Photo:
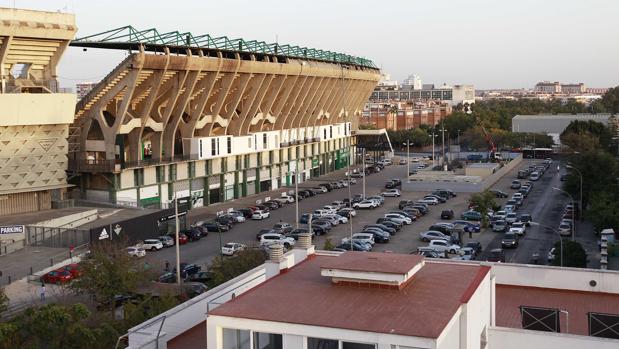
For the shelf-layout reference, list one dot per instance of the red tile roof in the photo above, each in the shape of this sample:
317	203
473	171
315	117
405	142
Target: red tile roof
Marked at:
193	338
578	303
302	296
378	262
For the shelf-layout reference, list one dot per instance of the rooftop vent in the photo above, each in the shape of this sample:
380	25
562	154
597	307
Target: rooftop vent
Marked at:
372	269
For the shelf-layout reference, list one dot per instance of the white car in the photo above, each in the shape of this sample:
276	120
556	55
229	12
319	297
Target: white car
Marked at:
516	231
511	218
519	227
377	198
421	166
444	246
231	248
551	255
565	229
152	244
365	204
338	204
399	218
351	211
274	238
338	218
391	193
330	208
287	198
364	238
321	212
415	159
135	251
500	215
430	201
237	216
510	208
321	189
260	215
166	241
433	235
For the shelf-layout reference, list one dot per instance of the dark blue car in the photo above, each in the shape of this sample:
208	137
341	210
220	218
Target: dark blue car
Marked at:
469	226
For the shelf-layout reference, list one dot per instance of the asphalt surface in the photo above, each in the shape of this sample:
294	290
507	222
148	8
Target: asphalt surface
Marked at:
543	203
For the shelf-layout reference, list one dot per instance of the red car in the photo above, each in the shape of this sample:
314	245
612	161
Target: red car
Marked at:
72	268
182	238
57	277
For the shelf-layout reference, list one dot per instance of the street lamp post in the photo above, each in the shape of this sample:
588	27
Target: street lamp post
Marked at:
363	169
296	196
176	235
433	153
408	160
560	240
580	197
573	208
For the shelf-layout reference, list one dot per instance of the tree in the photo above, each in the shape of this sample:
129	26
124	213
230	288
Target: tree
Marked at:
4	301
328	246
604	210
600	171
610	100
483	202
583	136
110	271
574	256
225	269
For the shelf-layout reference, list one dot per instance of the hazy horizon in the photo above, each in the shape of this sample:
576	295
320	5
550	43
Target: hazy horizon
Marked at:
489	44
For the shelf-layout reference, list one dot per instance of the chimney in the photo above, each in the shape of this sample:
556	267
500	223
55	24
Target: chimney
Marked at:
276	261
303	248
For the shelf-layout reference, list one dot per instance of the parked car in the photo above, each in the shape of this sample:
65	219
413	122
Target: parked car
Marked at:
356	246
468	226
321	227
231	248
212	226
282	228
135	251
444	246
347	212
447	214
272	238
264	231
389	223
565	229
465	254
260	215
396	217
511	217
499	193
365	204
391	231
297	232
428	200
519	228
57	277
432	254
152	244
445	228
404	203
391	193
471	216
496	255
433	235
193	234
166	241
182	238
551	255
515	184
187	269
510	240
475	245
379	235
366	238
500	226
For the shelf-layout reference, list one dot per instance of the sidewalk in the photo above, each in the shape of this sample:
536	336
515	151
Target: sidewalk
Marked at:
28	260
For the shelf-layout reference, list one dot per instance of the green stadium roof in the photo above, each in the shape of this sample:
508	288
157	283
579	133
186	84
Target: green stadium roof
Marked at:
129	38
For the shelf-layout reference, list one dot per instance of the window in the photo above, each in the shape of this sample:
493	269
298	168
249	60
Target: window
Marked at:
269	341
249	142
213	146
324	132
264	141
172	173
321	343
235	339
200	150
229	145
353	345
330	131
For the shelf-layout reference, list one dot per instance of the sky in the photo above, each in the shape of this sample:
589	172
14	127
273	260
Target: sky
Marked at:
488	43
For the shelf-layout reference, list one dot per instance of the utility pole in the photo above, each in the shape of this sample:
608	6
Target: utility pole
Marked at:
363	169
443	145
178	252
433	156
408	161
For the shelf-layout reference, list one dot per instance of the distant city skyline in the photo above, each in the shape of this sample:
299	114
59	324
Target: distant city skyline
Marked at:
486	43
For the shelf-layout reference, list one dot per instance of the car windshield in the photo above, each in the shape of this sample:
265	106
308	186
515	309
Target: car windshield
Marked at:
509	236
228	245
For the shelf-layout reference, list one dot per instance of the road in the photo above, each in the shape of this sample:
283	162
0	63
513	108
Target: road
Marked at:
544	203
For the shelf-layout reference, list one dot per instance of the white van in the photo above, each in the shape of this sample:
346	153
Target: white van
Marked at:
321	212
534	176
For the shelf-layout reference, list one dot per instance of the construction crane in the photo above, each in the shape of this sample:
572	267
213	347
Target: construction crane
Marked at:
493	155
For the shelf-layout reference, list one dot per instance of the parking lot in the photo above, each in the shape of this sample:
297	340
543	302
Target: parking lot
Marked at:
543	203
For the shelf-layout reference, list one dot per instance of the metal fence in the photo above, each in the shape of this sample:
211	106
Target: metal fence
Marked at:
56	237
